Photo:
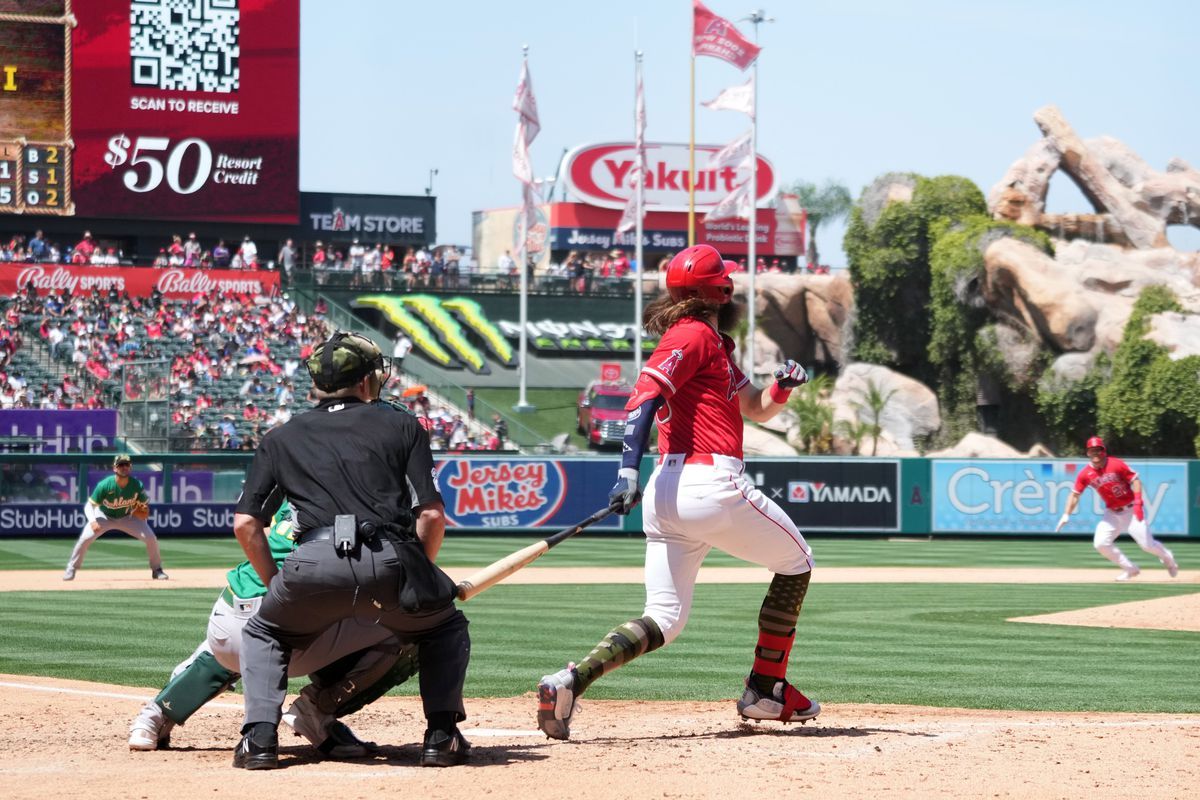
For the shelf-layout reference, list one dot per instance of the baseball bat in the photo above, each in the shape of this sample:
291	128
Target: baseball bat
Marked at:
494	573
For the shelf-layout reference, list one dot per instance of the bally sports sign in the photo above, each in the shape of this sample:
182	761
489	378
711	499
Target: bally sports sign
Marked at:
600	175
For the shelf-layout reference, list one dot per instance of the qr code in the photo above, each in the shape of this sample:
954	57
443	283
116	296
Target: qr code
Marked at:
191	45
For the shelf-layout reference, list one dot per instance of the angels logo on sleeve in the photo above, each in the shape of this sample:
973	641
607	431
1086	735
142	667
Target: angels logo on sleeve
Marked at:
669	364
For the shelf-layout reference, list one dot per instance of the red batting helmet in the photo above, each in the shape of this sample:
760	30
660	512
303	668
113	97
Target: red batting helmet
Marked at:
1095	441
699	271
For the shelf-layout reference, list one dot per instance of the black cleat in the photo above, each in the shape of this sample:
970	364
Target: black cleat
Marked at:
444	749
257	752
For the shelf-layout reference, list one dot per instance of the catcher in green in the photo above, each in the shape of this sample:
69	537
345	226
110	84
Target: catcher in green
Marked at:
118	503
351	665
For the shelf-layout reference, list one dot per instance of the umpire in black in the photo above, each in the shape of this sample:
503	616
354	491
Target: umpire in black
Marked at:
369	521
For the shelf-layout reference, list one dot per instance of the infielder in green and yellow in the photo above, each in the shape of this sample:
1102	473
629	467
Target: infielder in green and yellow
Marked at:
111	507
351	664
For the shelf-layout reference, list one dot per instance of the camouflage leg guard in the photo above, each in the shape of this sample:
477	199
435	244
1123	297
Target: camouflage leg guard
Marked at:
777	628
622	645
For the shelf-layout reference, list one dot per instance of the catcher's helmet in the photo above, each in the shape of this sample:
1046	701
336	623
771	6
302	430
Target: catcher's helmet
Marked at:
1095	441
699	271
344	360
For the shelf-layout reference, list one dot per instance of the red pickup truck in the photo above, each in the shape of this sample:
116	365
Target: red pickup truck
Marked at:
601	415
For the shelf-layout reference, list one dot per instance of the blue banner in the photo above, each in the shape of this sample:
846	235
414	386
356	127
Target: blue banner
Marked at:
524	492
196	519
606	239
1028	496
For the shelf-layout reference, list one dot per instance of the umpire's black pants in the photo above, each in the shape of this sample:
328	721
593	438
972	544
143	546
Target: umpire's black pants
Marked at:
316	587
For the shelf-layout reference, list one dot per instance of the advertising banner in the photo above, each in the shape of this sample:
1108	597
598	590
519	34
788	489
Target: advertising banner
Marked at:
61	431
598	174
198	519
1028	496
577	226
524	492
186	110
386	219
173	282
847	496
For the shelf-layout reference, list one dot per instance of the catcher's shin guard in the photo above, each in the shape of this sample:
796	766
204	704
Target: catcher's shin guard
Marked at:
184	694
364	677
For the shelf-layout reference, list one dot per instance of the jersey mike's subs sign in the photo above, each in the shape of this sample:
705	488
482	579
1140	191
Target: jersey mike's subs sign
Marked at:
601	175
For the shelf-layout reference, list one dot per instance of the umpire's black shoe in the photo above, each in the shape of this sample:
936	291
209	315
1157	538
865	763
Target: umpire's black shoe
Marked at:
444	749
258	749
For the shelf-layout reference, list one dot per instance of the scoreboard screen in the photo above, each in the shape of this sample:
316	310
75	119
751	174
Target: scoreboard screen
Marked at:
150	109
35	152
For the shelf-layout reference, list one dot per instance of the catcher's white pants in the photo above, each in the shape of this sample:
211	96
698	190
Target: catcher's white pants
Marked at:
1113	524
224	639
687	510
129	524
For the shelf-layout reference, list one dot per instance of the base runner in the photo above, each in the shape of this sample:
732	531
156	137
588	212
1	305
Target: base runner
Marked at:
1121	489
351	665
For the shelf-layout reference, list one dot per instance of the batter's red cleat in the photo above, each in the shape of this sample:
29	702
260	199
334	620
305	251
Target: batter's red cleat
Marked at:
784	703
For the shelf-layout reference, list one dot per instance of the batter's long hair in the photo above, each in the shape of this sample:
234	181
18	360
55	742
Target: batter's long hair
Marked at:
663	312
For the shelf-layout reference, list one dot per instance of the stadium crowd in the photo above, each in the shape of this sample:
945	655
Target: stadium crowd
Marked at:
228	366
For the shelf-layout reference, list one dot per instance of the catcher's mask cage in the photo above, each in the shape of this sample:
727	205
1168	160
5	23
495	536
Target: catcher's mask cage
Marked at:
344	360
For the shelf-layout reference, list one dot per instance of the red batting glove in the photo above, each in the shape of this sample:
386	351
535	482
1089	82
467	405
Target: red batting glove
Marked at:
1138	512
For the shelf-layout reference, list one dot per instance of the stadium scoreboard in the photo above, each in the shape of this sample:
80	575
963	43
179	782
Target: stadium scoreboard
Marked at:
150	109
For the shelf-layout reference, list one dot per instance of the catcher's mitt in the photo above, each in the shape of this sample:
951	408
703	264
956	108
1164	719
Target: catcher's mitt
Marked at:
141	510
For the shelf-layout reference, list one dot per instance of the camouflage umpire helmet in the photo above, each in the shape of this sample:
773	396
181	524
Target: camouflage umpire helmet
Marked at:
345	359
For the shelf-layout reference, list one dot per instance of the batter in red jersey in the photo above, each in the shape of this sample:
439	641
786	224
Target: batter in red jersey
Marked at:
1121	490
698	496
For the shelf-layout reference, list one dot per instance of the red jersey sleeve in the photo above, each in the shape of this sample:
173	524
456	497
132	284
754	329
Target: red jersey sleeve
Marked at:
1122	469
1081	480
676	358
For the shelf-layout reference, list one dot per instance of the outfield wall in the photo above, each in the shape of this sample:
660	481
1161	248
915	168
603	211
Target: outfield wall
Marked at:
195	494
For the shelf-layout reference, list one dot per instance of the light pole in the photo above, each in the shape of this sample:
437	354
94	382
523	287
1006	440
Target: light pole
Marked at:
429	187
755	18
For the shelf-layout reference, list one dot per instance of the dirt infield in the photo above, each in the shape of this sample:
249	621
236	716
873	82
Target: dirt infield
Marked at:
68	739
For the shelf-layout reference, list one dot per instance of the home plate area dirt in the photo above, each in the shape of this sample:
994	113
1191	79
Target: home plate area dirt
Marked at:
67	739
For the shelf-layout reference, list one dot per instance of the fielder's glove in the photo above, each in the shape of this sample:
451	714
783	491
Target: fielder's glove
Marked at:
790	374
626	494
142	510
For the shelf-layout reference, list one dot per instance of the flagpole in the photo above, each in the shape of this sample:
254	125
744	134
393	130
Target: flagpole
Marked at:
523	405
752	234
641	209
692	159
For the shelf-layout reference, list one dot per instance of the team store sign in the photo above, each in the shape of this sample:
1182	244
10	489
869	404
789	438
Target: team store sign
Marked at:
173	282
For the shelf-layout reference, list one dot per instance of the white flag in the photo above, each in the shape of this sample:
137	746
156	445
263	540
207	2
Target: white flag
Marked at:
629	217
736	154
735	98
736	205
528	126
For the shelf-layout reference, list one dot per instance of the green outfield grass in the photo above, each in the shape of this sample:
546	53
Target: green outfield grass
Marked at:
929	644
116	551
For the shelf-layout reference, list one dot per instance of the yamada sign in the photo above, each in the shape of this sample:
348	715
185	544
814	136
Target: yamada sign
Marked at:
599	174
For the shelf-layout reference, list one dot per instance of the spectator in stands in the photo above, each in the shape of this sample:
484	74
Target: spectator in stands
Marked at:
249	253
175	252
287	260
57	340
82	253
471	404
161	259
221	255
191	251
620	264
282	414
401	347
38	248
500	426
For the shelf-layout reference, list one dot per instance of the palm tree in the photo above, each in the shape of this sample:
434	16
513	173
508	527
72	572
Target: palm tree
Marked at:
874	400
814	416
822	204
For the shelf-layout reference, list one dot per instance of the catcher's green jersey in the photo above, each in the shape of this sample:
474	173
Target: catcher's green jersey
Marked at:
115	501
243	580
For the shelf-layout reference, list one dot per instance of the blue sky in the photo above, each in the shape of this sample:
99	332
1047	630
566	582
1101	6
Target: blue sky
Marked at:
848	89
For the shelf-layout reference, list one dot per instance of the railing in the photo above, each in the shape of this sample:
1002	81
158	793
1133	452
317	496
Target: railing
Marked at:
479	282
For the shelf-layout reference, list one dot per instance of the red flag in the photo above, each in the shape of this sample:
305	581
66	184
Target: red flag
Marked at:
717	37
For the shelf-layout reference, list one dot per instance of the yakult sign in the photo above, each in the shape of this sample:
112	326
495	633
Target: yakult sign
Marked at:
599	174
138	281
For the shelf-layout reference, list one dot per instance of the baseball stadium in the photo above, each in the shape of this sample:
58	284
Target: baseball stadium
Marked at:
925	525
